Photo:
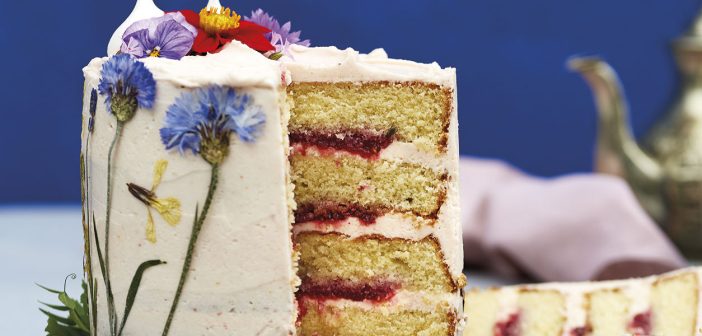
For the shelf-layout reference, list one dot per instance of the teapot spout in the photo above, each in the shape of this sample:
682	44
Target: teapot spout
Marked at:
617	151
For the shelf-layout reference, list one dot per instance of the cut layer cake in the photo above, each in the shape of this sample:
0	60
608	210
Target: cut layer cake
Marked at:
237	182
662	305
374	164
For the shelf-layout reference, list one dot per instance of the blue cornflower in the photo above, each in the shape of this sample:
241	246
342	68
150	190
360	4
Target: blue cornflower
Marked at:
127	85
203	120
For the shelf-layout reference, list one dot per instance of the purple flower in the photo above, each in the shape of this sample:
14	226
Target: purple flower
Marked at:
280	36
168	36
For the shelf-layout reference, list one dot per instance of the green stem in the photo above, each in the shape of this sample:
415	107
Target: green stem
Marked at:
91	285
197	227
110	296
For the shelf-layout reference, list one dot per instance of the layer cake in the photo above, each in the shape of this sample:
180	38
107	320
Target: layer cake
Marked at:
374	163
237	182
661	305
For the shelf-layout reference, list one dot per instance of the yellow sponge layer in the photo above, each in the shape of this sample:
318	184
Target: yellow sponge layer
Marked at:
674	305
543	313
608	312
482	309
416	265
346	179
334	321
419	112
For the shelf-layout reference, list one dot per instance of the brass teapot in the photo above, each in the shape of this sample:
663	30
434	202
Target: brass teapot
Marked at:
666	172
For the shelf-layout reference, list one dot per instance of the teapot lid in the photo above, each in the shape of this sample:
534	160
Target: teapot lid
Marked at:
692	39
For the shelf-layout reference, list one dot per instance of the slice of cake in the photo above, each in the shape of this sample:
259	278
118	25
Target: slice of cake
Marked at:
195	136
374	163
663	305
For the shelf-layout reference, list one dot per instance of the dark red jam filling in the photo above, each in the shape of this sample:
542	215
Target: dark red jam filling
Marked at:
641	324
508	327
377	291
360	142
582	331
330	212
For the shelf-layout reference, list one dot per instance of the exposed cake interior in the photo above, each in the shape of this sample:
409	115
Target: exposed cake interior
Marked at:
320	319
373	167
378	185
666	305
414	112
411	265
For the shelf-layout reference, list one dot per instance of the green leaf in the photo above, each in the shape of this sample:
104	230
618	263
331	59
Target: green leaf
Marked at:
76	324
276	56
59	319
84	295
55	307
99	251
93	302
53	328
49	289
134	289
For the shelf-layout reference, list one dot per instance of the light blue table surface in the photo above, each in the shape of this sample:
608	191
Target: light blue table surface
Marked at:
45	244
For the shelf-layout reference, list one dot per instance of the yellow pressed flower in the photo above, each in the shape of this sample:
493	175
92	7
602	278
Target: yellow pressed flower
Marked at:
168	208
215	20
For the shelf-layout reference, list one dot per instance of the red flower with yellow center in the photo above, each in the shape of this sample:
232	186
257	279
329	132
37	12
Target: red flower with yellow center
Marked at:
219	26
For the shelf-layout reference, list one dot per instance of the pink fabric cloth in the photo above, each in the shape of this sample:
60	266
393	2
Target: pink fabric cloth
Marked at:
574	228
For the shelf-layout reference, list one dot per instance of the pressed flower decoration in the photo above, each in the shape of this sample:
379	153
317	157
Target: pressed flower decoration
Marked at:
186	32
168	36
168	208
218	26
280	36
93	108
203	122
127	85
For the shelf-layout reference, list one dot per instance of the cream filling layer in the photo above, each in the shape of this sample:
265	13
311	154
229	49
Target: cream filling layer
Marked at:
396	152
389	225
404	300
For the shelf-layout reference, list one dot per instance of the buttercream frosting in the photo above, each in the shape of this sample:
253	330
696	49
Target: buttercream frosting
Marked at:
228	290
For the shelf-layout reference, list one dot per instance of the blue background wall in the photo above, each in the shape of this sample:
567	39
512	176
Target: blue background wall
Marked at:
517	100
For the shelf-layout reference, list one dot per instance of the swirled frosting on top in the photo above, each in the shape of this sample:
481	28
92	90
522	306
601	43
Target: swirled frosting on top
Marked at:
330	64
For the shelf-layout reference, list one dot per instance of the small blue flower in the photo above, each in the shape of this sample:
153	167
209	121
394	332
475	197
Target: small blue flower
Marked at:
127	85
202	121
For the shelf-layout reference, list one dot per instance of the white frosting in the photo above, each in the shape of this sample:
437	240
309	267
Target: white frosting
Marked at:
235	65
228	290
329	64
144	9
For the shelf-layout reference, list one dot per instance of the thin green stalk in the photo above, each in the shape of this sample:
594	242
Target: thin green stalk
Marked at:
91	284
110	296
197	227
